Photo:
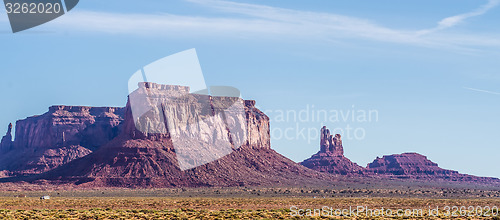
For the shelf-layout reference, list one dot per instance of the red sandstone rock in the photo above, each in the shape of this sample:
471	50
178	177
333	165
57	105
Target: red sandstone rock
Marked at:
417	166
330	158
64	137
69	125
61	135
407	164
141	157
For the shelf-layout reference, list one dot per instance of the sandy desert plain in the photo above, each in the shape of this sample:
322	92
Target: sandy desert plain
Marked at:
395	199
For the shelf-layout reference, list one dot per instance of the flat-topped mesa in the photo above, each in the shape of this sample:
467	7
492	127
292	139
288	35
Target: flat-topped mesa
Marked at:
408	165
6	143
330	144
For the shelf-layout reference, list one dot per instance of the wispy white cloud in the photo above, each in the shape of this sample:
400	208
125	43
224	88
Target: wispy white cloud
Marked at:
162	24
484	91
252	20
315	23
291	24
451	21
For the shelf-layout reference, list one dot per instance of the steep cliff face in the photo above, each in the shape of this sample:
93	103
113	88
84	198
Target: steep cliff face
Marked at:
146	153
89	127
330	158
61	135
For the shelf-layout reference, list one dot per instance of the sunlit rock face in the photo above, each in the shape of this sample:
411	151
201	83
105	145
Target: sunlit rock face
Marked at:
202	128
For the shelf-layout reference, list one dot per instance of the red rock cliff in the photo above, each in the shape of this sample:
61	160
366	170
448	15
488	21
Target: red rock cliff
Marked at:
61	135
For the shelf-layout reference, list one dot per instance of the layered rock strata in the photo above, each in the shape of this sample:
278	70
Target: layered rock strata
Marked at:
61	135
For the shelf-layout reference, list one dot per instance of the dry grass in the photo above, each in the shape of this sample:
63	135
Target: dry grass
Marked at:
211	208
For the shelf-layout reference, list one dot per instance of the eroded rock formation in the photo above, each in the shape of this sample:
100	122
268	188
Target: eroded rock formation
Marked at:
182	139
330	144
89	127
145	154
417	166
6	143
407	164
330	158
61	135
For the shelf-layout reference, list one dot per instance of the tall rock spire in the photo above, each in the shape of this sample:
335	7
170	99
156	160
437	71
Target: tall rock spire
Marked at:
330	157
330	144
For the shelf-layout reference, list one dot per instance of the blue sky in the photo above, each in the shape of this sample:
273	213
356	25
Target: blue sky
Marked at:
429	68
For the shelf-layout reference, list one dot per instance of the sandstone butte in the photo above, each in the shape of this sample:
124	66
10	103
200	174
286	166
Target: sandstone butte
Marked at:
102	147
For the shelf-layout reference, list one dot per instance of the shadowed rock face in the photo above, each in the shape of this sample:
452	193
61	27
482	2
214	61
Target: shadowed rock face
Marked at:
6	143
145	154
89	127
61	135
330	158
